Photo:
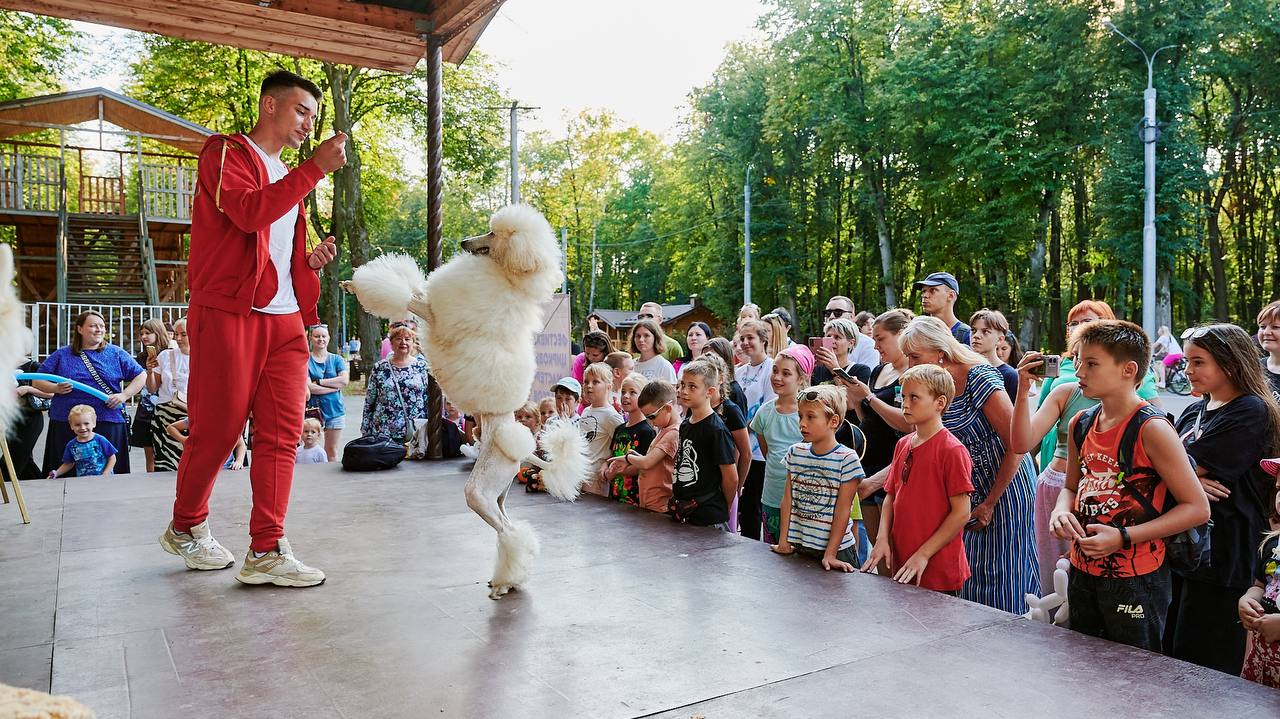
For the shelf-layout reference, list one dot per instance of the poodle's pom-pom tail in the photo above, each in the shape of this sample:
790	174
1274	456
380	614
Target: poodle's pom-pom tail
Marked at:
511	438
568	466
518	547
385	285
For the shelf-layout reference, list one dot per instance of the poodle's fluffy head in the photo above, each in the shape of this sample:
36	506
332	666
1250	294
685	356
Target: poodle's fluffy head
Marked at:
521	242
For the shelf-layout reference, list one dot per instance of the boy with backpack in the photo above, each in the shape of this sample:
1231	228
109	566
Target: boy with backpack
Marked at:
1120	466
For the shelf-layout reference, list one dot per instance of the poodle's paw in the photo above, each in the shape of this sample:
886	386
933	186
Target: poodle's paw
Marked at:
498	591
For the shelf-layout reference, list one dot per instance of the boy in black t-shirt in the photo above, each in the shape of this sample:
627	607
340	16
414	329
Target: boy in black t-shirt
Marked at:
705	479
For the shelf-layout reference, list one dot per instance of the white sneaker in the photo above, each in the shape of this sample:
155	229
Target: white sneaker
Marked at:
197	548
280	568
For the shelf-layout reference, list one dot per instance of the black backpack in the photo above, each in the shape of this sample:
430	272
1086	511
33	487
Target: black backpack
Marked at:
372	453
1186	551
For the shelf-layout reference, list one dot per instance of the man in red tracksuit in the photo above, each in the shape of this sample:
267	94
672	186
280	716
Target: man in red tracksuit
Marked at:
254	288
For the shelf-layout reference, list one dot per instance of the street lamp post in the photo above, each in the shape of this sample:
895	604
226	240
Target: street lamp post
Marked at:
1149	133
746	238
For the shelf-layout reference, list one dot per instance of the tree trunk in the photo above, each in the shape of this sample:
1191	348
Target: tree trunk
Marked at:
349	227
1080	216
1032	291
875	182
1213	233
1057	324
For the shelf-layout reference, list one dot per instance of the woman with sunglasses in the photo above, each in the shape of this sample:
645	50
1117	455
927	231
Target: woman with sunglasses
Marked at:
1235	424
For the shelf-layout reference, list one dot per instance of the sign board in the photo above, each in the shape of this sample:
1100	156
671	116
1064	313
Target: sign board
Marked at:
553	347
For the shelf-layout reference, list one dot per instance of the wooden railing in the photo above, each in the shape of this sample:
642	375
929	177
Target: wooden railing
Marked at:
168	191
29	183
101	195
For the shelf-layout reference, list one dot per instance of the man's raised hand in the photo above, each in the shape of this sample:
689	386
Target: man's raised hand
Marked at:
331	154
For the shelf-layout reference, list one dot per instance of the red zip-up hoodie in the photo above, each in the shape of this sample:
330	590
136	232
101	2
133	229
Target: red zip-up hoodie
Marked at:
229	266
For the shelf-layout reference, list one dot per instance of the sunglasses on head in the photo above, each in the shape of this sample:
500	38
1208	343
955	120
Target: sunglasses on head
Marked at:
1195	333
834	313
813	395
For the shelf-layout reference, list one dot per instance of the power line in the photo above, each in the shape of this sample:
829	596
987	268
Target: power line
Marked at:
673	233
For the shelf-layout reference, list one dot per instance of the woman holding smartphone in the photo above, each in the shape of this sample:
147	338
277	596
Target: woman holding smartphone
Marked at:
831	351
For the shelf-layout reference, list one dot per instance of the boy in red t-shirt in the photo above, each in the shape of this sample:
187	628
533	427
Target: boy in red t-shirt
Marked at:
1119	585
927	492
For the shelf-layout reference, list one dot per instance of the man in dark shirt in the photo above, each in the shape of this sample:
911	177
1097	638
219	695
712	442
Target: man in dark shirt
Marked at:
938	294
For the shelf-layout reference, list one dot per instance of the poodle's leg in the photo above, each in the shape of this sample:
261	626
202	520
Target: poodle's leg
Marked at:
486	491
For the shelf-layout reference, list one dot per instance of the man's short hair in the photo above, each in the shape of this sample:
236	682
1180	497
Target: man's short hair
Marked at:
657	392
933	378
1123	341
842	298
283	80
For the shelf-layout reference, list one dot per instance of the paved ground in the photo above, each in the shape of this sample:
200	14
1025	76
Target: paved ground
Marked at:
627	615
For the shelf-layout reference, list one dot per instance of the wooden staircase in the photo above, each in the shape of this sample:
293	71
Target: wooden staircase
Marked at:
105	259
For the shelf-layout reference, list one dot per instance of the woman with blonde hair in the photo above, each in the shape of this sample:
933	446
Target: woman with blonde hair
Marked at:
778	339
999	539
168	382
396	394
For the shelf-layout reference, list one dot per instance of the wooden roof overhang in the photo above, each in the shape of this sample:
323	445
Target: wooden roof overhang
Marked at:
385	34
28	114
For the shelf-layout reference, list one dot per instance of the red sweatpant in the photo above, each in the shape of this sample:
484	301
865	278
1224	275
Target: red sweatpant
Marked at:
238	364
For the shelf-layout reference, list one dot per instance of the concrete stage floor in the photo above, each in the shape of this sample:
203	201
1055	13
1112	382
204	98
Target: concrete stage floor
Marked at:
627	615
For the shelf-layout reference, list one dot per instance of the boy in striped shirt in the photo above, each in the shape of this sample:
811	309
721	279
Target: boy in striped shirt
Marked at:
820	504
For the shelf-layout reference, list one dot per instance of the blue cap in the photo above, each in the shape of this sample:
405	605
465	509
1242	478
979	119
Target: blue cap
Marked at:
940	278
570	384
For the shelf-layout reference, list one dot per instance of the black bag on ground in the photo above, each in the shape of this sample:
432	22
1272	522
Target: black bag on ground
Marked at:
370	454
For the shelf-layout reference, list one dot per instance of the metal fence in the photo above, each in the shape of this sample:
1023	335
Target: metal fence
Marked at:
51	323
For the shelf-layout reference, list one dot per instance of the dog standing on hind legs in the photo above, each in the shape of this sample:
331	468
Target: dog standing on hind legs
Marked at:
482	312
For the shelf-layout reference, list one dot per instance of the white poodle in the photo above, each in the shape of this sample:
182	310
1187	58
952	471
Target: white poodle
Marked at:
15	338
482	312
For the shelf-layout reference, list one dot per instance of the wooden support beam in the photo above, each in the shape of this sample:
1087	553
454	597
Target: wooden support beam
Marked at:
450	17
360	13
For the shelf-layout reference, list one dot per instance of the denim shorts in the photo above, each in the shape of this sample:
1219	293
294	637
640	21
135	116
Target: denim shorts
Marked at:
338	422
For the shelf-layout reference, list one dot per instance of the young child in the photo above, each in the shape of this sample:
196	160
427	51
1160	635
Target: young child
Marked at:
566	391
531	417
1119	583
235	462
822	485
1258	607
635	435
705	479
753	376
546	410
623	365
90	454
312	451
777	427
654	468
927	492
597	423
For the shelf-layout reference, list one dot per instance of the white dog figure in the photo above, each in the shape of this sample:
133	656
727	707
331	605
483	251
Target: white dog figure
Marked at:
482	311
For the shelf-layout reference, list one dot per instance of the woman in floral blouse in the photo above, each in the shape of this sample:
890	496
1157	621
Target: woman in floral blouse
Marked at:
397	388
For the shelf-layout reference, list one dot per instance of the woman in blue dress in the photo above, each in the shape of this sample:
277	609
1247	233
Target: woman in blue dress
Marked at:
113	371
999	539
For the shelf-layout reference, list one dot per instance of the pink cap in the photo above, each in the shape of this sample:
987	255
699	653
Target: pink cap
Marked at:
803	357
1271	466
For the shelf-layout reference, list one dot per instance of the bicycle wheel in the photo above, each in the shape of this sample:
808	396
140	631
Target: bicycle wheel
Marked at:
1178	383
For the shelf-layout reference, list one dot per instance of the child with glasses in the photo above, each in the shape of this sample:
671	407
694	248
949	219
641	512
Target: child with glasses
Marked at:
654	468
819	503
927	493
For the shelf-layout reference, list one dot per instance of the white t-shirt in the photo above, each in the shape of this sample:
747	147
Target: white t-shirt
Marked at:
281	247
311	455
657	368
175	370
754	380
865	352
596	424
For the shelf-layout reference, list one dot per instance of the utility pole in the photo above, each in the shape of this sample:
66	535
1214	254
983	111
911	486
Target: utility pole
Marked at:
564	260
746	237
1148	133
591	303
514	109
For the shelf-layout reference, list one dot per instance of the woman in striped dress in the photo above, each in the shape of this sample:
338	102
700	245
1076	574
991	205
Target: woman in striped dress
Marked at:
999	540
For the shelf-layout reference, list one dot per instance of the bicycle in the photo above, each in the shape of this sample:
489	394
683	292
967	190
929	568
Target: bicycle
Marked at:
1175	378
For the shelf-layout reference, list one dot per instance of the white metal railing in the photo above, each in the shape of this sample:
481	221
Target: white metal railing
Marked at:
51	323
29	183
168	191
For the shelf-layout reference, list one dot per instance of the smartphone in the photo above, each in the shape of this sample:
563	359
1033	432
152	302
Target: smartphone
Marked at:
1049	367
827	342
151	352
841	374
